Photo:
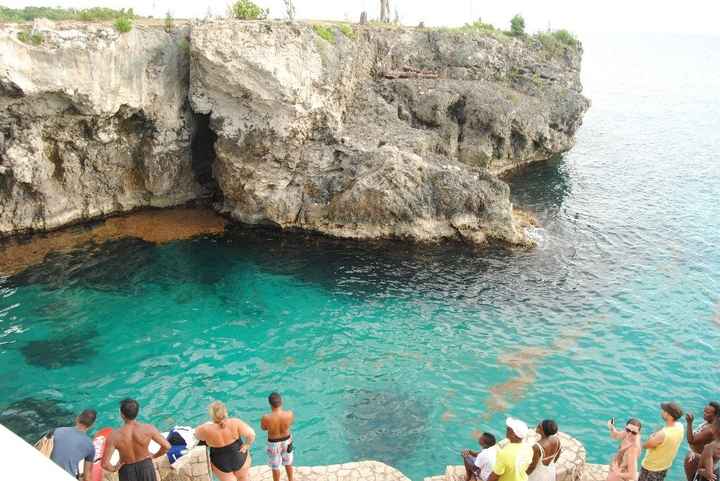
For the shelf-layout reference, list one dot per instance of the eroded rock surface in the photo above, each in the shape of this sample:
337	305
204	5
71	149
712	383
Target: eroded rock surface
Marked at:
392	133
92	123
382	133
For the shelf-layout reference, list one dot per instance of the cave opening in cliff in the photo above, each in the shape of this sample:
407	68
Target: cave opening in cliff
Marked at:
203	155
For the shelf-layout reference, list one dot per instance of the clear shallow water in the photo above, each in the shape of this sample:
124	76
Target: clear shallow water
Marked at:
396	352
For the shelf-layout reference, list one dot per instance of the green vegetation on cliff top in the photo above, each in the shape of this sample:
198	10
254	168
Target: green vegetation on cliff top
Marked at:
552	41
29	14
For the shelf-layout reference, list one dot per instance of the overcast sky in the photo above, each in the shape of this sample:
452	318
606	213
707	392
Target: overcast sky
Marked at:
580	16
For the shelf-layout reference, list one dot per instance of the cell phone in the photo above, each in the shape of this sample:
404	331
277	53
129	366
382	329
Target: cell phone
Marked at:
612	421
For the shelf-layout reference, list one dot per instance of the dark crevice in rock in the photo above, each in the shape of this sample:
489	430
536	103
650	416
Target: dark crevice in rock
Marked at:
518	142
202	149
457	112
57	161
498	145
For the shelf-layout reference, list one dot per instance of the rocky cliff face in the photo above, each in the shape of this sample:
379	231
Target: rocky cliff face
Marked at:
392	133
92	123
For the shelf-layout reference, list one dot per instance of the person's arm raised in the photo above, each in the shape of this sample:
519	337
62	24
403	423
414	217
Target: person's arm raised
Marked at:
614	433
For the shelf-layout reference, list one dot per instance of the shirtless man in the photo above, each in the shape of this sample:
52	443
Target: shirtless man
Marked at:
699	438
132	442
708	468
280	445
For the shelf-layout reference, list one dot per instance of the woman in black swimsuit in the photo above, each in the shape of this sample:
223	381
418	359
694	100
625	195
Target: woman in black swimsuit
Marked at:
229	455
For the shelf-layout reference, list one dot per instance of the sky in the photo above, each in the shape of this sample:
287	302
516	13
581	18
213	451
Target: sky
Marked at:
579	16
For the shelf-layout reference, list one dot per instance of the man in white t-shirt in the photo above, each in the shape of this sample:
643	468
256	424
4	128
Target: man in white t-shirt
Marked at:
479	465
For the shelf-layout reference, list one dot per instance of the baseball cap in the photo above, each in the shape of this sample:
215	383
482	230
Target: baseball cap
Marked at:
518	427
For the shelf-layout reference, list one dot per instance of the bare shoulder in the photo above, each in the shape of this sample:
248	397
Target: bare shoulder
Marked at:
290	414
149	428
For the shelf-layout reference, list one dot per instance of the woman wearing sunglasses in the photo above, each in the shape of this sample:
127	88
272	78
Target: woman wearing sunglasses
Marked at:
623	466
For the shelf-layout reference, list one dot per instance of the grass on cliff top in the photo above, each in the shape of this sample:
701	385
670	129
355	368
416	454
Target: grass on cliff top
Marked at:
327	33
98	14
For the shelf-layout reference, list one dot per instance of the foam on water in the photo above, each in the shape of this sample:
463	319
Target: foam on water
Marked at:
402	352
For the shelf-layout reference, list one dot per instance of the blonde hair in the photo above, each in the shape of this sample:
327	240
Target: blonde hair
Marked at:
218	413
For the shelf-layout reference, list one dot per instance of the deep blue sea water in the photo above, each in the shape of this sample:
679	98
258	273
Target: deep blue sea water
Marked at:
398	352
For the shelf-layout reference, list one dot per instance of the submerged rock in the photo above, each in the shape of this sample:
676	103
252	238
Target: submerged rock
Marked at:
61	351
30	417
385	426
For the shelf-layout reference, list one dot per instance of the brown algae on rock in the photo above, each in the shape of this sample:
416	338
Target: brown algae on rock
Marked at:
158	226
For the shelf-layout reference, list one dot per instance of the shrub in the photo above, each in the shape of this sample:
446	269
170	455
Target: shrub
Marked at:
563	36
169	23
248	10
517	26
555	42
34	38
347	30
325	33
123	24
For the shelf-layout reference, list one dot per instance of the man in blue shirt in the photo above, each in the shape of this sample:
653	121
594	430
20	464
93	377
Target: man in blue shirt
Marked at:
72	445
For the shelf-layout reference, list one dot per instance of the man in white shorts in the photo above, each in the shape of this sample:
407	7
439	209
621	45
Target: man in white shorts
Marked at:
280	446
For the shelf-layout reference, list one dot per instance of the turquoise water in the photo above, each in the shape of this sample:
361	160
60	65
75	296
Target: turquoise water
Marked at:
397	352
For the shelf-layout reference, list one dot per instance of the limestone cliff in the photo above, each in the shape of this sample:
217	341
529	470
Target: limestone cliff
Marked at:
383	133
376	133
92	123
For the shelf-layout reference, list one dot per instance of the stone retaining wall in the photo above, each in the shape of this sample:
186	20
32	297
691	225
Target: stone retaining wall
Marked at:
194	466
570	465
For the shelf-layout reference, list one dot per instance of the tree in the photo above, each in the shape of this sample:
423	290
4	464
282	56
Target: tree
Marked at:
169	24
385	11
517	25
290	9
248	10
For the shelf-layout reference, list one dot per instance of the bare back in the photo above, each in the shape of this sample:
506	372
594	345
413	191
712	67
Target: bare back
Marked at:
277	423
132	442
217	436
551	447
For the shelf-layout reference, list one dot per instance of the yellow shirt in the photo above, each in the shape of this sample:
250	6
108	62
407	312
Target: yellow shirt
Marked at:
512	462
661	457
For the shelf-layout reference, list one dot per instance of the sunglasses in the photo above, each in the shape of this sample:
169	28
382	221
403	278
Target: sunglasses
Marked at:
630	431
